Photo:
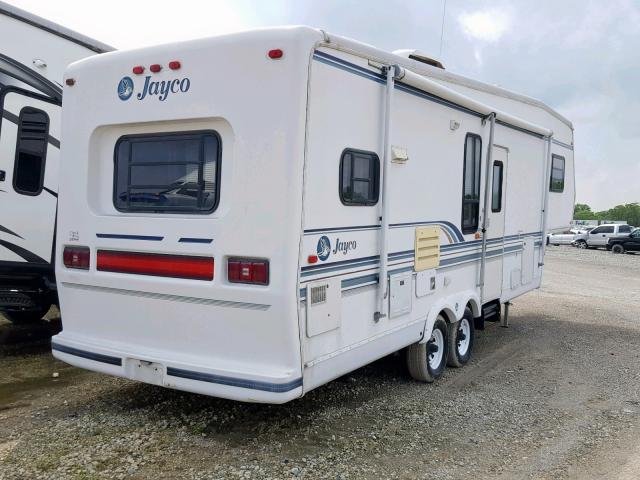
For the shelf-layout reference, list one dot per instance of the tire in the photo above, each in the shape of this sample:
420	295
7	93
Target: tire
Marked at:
617	248
581	244
425	364
461	339
30	316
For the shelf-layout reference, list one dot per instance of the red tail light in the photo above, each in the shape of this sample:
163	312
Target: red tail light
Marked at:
247	270
76	257
161	265
275	54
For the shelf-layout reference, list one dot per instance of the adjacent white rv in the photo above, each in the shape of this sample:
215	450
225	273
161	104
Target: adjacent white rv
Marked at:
33	55
226	203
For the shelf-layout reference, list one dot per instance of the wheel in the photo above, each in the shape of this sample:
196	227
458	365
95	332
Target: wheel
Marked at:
29	316
581	244
427	361
461	337
617	248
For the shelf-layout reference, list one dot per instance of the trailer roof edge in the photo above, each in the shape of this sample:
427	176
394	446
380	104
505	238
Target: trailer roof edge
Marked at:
54	28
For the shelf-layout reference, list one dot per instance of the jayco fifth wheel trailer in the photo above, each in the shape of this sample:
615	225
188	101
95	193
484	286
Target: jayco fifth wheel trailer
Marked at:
225	204
33	55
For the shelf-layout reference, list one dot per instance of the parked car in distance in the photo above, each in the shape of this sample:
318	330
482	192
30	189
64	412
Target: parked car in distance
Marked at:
599	236
562	238
625	243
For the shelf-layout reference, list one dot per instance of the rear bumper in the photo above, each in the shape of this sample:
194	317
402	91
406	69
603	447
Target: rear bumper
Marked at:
190	378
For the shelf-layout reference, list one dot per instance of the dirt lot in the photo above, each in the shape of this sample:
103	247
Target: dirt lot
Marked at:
556	395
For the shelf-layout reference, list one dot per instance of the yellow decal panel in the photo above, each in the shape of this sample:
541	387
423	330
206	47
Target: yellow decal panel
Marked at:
427	248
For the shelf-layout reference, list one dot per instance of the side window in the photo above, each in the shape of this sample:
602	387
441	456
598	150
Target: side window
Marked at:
596	230
359	177
557	174
606	230
471	183
496	196
31	151
624	229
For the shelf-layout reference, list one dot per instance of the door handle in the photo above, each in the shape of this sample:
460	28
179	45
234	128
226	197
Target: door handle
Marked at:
3	175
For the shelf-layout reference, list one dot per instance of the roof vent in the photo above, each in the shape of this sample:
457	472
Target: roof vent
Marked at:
419	57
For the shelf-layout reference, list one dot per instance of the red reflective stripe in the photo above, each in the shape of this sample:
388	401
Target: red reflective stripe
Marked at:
179	266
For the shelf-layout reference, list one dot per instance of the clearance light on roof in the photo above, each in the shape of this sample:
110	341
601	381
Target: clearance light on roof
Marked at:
155	264
174	65
247	270
155	68
76	257
138	69
275	54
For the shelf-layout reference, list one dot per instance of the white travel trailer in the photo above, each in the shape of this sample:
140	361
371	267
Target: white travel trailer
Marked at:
225	204
33	55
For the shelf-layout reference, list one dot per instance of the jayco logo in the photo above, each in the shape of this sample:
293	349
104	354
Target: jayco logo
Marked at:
324	248
125	88
151	88
344	247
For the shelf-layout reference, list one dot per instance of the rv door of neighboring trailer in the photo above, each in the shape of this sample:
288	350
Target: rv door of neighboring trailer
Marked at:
29	153
495	230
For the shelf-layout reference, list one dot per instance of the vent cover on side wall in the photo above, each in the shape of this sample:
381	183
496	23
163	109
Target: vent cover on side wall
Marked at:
318	294
323	306
427	248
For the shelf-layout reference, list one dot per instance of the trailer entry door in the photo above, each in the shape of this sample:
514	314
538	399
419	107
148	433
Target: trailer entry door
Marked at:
29	153
495	231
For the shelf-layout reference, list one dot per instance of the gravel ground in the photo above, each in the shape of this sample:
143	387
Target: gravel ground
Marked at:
556	395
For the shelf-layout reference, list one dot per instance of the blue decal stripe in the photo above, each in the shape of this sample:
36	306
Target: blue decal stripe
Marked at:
341	229
195	240
332	268
129	237
448	258
349	67
234	381
341	262
455	231
96	357
357	281
447	226
459	260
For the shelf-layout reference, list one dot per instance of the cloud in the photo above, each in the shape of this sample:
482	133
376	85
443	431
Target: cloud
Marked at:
487	25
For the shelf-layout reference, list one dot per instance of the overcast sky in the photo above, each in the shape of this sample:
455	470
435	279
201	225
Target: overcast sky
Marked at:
580	57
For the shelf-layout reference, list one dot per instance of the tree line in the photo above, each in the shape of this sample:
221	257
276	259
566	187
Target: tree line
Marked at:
629	212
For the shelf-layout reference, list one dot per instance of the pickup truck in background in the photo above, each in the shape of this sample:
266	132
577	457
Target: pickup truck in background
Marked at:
625	243
599	236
